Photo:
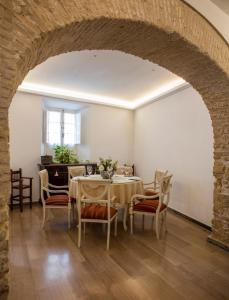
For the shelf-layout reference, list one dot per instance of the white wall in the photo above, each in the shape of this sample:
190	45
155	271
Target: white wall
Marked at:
25	122
175	133
106	132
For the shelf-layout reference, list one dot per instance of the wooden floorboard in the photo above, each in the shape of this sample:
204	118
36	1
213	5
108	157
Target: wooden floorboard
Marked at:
46	264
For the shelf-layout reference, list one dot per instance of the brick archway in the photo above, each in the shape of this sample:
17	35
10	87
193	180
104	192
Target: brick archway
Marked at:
166	32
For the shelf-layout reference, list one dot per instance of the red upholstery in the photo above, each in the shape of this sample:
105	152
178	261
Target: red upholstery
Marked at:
96	211
151	193
57	200
149	206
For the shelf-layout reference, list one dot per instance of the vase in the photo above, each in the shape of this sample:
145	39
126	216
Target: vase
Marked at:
106	174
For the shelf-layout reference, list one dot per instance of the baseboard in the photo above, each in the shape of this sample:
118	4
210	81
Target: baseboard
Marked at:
190	219
218	243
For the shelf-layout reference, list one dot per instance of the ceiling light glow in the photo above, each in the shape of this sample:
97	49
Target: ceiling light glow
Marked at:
91	98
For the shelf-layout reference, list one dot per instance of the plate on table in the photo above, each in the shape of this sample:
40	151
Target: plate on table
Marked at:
134	178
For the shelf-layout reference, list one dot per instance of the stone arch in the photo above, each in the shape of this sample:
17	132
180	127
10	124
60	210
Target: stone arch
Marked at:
167	32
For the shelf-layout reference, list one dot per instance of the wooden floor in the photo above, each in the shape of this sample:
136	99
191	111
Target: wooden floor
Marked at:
46	264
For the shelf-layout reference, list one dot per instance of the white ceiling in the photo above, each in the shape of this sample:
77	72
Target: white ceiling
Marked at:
104	76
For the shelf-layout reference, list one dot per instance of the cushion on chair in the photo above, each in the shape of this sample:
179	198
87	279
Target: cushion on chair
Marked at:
151	193
57	200
96	211
149	206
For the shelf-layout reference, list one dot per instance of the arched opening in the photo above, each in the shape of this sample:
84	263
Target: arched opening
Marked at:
163	34
175	133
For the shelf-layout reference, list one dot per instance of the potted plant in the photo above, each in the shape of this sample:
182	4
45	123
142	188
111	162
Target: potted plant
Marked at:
64	155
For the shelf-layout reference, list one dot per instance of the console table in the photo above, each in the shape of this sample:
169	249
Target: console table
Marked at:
58	173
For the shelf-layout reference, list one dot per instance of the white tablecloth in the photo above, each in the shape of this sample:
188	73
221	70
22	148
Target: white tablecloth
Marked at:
122	187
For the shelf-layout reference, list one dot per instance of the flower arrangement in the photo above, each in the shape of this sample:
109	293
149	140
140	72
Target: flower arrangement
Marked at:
107	167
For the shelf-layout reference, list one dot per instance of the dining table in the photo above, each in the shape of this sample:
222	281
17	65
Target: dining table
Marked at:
122	187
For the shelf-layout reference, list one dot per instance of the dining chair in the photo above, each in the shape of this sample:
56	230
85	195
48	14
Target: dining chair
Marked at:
95	205
152	188
124	170
19	184
53	196
76	171
155	206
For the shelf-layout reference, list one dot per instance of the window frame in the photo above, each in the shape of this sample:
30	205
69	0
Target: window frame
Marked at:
62	112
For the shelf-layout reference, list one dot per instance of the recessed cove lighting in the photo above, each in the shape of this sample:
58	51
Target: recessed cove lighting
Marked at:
92	98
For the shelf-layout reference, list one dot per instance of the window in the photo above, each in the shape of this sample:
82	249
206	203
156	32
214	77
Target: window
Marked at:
63	127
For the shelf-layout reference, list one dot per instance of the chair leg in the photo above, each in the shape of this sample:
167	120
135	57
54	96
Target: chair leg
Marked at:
108	235
73	212
124	217
79	234
21	196
115	225
157	225
30	195
165	217
69	217
44	216
131	223
84	228
143	222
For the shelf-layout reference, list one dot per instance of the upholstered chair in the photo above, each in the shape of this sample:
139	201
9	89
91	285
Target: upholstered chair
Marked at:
153	187
53	196
155	206
95	205
76	171
125	170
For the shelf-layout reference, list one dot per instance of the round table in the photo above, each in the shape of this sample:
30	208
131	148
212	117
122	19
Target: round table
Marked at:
122	187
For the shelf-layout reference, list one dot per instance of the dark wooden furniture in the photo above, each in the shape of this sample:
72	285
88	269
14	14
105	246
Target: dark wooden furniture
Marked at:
58	173
19	185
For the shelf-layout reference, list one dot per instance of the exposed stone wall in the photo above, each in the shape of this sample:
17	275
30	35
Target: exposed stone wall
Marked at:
7	74
167	32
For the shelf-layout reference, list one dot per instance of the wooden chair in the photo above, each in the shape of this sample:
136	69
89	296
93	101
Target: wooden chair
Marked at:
20	184
153	187
125	170
94	205
60	199
76	171
155	206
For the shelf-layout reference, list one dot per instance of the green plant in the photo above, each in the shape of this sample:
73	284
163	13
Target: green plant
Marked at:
64	155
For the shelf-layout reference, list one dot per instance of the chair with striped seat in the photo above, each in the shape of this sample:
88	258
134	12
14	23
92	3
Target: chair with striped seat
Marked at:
155	206
153	187
74	171
53	196
95	205
125	170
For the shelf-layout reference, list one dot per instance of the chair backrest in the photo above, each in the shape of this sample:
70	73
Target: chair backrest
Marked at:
44	180
15	175
125	170
76	171
164	190
94	191
158	176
